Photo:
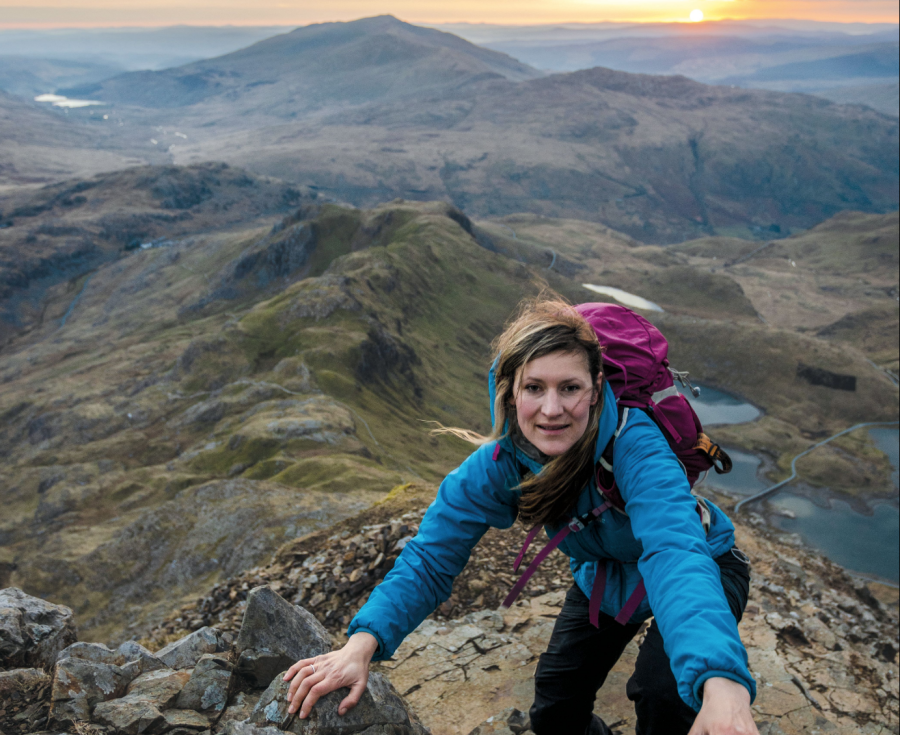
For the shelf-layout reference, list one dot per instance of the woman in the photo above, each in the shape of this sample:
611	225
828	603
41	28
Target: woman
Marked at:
553	416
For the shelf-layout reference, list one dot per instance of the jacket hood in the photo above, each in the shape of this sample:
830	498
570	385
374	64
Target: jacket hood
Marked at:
609	417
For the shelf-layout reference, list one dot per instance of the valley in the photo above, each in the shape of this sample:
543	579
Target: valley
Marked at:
254	360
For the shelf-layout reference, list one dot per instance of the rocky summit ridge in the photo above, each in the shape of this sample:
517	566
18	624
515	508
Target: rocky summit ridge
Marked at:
822	647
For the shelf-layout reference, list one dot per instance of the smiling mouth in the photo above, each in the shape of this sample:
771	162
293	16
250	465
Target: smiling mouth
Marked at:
553	428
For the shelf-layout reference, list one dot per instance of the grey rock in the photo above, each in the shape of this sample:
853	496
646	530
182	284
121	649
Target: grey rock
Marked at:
131	715
147	661
509	722
21	681
381	711
186	718
32	631
248	728
161	687
79	685
184	653
207	689
239	708
274	635
96	652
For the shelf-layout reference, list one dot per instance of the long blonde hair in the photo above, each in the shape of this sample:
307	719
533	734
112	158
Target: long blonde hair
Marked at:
542	326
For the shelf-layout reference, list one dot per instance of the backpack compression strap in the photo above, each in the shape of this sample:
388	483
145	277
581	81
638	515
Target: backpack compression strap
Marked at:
628	609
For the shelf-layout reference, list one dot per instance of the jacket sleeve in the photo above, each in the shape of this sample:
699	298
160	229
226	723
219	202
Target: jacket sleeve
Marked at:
475	496
683	582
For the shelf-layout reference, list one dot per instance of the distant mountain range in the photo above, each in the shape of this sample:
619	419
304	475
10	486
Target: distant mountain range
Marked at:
377	109
841	62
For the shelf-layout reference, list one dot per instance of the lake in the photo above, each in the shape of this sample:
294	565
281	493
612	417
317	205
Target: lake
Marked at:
717	407
623	297
59	101
866	543
862	543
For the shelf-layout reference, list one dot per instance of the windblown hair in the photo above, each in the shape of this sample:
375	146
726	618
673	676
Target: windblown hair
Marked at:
543	326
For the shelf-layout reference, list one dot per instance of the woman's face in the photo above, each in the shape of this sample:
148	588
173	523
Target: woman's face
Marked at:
553	397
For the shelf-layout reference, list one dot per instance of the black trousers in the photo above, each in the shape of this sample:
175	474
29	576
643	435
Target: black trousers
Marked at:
579	657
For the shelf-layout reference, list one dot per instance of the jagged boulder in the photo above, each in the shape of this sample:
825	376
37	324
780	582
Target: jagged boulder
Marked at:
135	654
80	685
381	711
185	652
32	631
162	687
96	652
131	715
207	689
274	635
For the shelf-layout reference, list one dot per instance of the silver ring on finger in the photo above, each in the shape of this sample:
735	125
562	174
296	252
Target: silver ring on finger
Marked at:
313	667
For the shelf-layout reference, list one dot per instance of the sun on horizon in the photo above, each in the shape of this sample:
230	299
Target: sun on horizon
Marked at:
696	15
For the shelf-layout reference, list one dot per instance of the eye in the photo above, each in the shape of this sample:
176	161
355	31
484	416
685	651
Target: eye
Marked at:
571	388
532	388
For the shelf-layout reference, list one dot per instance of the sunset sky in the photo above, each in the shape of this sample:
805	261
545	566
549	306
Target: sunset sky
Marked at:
57	13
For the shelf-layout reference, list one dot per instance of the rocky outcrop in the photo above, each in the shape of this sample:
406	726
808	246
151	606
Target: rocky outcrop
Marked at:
32	631
274	635
822	647
192	685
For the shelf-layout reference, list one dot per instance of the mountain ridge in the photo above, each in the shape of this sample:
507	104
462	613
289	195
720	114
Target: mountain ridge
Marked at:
314	61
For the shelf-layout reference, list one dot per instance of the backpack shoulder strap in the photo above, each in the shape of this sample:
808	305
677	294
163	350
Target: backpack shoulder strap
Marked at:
606	459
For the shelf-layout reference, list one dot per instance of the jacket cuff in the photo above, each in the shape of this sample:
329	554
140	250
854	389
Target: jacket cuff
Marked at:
701	680
379	653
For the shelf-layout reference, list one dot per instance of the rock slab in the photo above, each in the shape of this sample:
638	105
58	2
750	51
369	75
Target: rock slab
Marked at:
80	685
185	652
274	635
207	689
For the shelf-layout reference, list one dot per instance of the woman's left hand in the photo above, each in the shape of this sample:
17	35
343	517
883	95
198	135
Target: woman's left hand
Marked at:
725	710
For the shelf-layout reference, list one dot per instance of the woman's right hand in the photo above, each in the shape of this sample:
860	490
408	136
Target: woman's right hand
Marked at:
313	678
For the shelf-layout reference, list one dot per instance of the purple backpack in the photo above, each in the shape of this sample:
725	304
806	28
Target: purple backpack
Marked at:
636	365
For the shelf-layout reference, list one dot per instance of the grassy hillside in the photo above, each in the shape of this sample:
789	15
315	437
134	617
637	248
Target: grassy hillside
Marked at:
838	280
55	235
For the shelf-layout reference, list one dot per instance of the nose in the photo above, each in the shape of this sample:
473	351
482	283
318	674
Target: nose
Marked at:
552	404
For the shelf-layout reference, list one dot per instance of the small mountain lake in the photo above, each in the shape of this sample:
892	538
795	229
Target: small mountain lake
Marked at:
623	297
862	543
60	101
717	407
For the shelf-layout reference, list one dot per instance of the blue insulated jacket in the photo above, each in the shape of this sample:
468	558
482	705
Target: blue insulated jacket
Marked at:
660	540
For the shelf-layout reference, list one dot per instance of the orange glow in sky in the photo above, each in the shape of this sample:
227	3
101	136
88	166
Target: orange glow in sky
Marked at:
69	13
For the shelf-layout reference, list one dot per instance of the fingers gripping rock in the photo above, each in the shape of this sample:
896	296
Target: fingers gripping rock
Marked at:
381	711
274	634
